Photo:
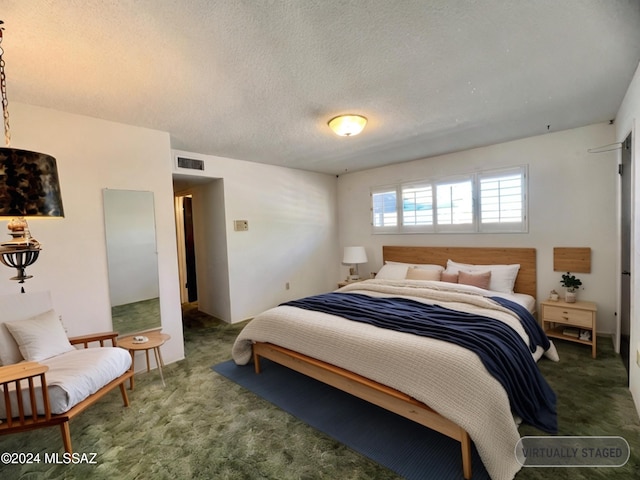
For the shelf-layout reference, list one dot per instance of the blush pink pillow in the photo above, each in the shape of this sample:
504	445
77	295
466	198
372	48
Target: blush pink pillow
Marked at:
420	274
449	277
480	279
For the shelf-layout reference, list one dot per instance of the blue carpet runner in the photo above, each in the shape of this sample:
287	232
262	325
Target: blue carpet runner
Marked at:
411	450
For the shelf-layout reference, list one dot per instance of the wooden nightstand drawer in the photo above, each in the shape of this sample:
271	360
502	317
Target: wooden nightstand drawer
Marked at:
579	318
559	318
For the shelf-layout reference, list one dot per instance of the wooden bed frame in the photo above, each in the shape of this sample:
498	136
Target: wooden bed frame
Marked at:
389	398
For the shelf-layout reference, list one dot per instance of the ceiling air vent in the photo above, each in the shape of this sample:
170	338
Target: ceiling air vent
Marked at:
190	163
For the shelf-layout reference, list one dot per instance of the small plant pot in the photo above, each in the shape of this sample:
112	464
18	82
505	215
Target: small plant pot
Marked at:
570	297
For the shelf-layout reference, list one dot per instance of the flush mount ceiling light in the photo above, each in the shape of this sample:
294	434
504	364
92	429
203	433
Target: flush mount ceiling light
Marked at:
347	125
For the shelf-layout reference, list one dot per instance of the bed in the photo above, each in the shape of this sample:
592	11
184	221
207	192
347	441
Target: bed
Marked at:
428	379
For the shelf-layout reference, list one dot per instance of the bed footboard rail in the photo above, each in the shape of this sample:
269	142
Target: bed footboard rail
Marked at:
369	390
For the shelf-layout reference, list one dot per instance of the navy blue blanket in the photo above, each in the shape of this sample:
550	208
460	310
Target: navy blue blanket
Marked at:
537	337
500	348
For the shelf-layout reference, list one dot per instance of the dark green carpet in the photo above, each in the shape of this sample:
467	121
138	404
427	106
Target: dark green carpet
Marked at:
593	399
203	426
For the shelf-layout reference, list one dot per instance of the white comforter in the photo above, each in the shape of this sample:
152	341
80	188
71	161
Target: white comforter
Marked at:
450	379
73	376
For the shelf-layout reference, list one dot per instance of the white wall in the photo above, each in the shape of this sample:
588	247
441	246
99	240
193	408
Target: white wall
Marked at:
93	154
212	257
572	203
627	121
292	236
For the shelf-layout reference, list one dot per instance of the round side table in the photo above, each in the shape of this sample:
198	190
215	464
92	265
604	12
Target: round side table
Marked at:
156	340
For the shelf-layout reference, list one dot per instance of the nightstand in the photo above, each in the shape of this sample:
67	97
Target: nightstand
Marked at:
563	320
347	282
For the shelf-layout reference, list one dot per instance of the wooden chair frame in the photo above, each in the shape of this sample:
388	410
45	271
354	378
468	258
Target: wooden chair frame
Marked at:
20	374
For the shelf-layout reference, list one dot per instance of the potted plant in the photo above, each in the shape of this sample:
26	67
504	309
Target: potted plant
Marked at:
571	283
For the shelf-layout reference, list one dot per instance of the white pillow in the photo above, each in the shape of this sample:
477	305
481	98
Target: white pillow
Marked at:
40	337
422	266
392	271
9	351
503	277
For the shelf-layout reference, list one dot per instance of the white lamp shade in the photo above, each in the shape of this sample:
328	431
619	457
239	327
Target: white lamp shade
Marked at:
354	255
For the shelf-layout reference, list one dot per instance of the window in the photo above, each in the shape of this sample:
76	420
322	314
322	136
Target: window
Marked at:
385	208
490	201
455	203
502	200
417	205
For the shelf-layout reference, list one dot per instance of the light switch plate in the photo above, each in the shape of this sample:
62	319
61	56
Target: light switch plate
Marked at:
241	225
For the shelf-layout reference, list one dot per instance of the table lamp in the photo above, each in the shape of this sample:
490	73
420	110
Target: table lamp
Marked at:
354	256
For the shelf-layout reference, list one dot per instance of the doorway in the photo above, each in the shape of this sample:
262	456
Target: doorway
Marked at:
189	250
186	242
625	252
202	245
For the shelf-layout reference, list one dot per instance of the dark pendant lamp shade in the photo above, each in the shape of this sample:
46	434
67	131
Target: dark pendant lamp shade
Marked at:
29	185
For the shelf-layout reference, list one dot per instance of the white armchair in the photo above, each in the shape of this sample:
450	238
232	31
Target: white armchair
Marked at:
46	378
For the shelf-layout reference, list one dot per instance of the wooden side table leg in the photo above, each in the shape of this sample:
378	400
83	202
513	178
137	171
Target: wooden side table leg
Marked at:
156	351
133	368
146	352
160	355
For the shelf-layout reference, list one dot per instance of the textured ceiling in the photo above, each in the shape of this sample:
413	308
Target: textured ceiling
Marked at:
259	79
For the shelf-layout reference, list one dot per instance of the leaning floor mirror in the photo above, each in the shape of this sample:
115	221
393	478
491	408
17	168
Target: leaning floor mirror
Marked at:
132	260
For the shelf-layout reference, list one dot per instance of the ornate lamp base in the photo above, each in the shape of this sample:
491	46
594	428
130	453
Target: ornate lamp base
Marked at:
19	259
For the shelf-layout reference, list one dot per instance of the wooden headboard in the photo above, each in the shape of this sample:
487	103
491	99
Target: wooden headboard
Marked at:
526	257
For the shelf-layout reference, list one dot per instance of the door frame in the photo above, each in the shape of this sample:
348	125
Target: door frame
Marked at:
180	240
631	212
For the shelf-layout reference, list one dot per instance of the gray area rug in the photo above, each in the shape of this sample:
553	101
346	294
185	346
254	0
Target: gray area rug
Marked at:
409	449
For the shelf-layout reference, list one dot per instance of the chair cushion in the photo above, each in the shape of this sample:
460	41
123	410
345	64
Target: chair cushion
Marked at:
40	337
75	375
